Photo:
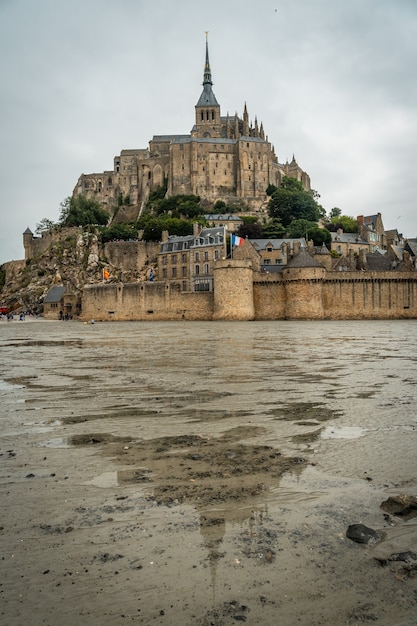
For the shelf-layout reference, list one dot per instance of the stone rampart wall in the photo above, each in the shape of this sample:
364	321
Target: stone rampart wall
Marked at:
334	295
269	296
131	256
144	301
35	246
370	295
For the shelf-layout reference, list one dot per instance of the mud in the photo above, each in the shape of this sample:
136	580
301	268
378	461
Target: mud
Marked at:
206	474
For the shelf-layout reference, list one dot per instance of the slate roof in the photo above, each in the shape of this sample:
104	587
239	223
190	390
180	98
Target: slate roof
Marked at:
207	237
348	238
55	294
412	247
226	217
304	259
377	262
261	244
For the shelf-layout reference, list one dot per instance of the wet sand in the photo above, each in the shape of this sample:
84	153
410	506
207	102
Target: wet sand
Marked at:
206	473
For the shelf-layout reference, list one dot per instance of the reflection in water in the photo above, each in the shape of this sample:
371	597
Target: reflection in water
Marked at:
251	425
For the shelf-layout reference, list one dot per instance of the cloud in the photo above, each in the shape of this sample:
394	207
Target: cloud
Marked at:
331	80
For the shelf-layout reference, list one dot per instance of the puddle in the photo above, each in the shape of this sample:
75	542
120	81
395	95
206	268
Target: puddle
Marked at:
9	386
58	442
108	479
346	432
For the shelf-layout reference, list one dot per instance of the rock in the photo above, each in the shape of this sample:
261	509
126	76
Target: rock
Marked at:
401	505
362	534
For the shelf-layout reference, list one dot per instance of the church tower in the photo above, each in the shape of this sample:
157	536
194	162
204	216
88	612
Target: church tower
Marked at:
207	109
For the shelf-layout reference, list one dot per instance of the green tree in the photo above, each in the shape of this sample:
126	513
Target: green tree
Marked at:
44	225
346	223
300	228
124	232
251	230
81	211
335	212
291	202
273	229
319	236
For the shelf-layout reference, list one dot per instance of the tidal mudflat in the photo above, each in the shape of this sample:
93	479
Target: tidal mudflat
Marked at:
202	474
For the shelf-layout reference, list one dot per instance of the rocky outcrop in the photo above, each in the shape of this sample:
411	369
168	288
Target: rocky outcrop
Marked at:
75	260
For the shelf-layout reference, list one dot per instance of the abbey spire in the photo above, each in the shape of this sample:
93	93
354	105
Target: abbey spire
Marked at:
207	109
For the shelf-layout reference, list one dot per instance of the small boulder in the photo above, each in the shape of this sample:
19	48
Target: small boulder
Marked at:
362	534
402	505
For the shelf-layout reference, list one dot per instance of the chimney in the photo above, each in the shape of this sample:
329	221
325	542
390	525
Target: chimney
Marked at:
164	236
196	229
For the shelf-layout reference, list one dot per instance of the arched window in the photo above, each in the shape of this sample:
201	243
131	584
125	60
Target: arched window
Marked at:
197	269
206	268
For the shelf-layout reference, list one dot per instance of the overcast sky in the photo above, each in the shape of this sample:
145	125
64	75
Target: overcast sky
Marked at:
333	81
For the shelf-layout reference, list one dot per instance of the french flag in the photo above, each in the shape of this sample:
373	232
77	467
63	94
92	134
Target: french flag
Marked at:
237	241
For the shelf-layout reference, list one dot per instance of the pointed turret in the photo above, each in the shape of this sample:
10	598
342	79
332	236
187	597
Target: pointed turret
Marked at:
207	97
207	109
245	131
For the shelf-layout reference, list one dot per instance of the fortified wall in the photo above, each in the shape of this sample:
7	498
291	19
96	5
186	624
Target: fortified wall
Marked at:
243	294
36	246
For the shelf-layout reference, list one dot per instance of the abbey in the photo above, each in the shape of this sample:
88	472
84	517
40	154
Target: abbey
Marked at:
224	158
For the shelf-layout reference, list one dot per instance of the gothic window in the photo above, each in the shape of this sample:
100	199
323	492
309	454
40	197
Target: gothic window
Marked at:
207	115
212	115
202	115
99	185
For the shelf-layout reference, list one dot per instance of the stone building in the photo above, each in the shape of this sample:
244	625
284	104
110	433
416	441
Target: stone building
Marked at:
224	157
187	262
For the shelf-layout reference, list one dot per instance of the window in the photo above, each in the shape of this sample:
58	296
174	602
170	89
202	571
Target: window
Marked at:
206	268
202	285
206	255
184	258
164	273
267	261
184	271
184	285
174	258
216	255
174	272
164	260
197	256
197	269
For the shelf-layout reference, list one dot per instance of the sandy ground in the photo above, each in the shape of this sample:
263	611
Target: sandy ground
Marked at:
146	480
